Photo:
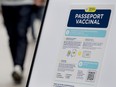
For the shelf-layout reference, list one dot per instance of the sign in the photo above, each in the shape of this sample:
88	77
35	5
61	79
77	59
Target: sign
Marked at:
76	46
83	48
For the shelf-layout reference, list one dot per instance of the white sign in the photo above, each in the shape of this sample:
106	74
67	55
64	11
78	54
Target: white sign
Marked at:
76	47
84	44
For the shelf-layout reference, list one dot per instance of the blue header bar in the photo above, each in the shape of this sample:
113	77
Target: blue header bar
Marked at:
98	19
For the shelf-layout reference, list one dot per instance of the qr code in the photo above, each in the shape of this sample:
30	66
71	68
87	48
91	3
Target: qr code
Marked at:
91	76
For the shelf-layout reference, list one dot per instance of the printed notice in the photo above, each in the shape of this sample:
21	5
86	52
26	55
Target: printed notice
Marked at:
82	50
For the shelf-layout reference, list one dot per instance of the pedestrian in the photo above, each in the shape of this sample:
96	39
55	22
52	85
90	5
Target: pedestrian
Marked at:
16	15
37	13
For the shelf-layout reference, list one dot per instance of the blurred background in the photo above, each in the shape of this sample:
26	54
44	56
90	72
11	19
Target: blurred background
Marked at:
6	63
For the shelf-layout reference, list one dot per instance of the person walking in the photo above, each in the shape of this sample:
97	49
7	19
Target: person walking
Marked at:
16	15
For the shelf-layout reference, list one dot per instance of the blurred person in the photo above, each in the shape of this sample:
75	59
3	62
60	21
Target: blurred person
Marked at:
16	15
37	13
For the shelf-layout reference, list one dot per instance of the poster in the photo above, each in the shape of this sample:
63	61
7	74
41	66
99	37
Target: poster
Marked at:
82	51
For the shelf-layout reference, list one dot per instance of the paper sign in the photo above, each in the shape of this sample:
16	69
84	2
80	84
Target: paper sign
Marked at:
82	52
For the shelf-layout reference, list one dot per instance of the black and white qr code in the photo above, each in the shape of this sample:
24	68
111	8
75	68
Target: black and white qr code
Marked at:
91	76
